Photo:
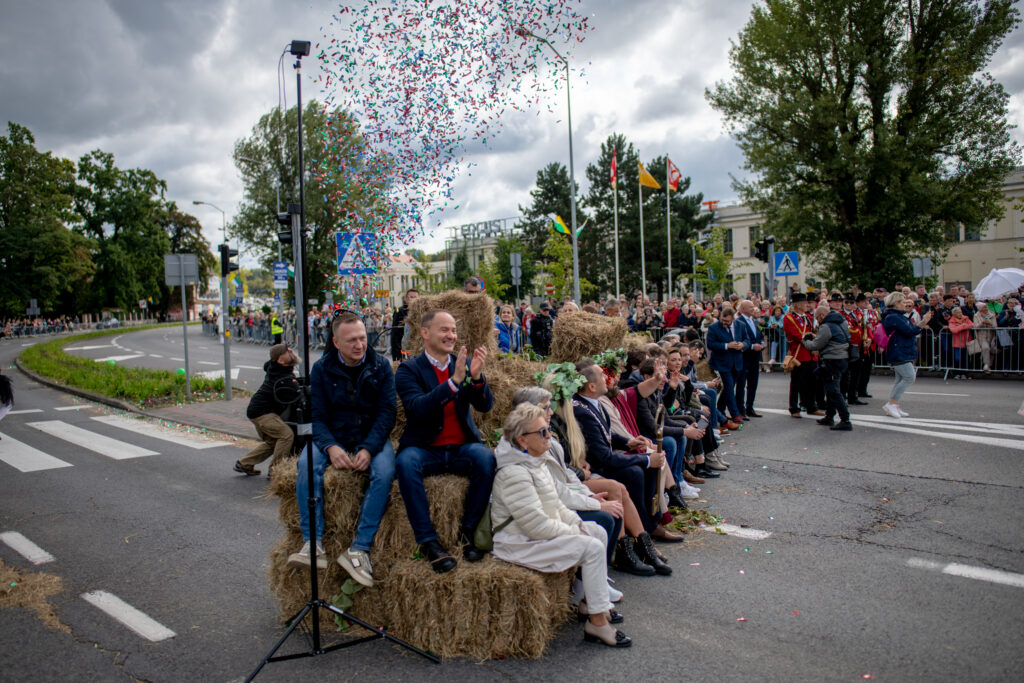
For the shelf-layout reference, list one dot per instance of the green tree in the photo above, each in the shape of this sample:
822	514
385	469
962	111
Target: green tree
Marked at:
557	268
460	270
185	235
490	271
871	128
429	283
717	264
343	183
549	197
119	209
502	266
40	257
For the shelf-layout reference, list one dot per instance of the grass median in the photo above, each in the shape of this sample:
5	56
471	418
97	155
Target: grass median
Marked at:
143	386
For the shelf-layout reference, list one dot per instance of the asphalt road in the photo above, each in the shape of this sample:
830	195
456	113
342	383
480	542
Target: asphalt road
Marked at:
895	551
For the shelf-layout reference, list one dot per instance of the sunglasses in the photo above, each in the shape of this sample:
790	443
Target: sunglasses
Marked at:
544	433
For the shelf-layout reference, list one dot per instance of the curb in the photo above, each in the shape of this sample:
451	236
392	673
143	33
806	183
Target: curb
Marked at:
116	403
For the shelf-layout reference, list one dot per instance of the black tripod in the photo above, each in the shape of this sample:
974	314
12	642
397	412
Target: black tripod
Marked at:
297	238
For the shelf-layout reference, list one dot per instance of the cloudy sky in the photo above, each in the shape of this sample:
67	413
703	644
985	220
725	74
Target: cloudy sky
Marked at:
171	85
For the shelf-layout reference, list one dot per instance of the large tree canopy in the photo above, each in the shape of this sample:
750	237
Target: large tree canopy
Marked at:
871	128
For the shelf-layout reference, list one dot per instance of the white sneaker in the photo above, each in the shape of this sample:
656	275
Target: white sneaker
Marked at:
614	594
902	412
891	410
687	491
301	558
357	564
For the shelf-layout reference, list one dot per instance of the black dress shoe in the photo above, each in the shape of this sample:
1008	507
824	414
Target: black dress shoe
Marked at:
856	402
439	559
675	500
843	426
626	559
706	472
866	396
751	413
470	551
825	422
644	548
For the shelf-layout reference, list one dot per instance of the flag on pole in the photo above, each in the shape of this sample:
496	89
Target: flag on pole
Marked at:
646	179
614	169
674	176
559	224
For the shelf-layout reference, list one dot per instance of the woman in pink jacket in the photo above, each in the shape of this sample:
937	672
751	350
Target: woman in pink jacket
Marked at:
960	327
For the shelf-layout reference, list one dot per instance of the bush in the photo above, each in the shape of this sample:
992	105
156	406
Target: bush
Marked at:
131	384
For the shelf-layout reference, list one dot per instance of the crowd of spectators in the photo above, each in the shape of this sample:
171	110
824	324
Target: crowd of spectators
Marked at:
12	328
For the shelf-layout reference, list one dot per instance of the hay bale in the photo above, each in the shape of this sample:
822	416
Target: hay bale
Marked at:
505	375
584	334
480	610
474	319
636	340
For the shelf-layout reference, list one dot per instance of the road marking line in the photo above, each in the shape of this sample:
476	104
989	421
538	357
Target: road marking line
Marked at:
207	362
26	411
158	432
137	621
84	405
989	429
29	344
26	548
249	367
180	360
929	393
88	348
155	355
117	358
25	458
214	374
104	445
742	532
968	572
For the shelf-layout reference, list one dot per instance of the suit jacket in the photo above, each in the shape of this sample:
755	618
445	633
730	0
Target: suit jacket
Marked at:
751	358
600	439
423	400
724	359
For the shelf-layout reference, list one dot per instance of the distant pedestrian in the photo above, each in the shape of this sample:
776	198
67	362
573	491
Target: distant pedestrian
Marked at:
6	394
901	349
271	400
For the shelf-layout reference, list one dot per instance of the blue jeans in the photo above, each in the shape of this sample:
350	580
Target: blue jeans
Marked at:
675	449
375	501
473	460
711	401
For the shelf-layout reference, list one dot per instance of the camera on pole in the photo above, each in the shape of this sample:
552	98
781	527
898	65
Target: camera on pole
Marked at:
226	264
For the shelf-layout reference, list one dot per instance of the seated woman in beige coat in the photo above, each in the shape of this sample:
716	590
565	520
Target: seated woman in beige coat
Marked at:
535	529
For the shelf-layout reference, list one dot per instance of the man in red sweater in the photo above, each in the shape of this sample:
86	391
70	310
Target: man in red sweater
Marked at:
437	389
672	315
796	325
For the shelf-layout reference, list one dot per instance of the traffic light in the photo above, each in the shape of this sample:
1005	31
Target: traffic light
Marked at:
226	265
761	250
285	219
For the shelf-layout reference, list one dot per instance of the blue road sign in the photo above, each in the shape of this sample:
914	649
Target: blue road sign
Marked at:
356	253
280	275
787	263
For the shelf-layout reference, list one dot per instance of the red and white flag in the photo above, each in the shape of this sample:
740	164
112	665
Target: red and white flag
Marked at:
674	175
614	169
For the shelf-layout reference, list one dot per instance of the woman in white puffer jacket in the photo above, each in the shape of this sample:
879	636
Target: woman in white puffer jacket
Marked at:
534	529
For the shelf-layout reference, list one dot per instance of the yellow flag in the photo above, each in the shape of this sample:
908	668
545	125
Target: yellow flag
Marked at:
647	180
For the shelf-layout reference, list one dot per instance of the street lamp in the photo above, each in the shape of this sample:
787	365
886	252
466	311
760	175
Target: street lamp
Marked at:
223	218
526	33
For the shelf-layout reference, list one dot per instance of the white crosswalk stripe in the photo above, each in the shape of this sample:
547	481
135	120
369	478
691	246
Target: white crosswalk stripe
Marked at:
104	445
25	458
26	548
157	432
120	358
139	622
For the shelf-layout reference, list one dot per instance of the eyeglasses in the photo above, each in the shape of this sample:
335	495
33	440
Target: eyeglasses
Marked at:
544	433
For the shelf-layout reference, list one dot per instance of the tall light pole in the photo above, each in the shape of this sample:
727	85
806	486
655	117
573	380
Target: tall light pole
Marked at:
524	33
222	327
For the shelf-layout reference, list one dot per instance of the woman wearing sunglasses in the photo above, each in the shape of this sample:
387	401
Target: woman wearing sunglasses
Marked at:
534	528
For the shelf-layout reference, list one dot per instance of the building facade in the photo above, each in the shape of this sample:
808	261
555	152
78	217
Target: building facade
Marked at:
975	253
478	239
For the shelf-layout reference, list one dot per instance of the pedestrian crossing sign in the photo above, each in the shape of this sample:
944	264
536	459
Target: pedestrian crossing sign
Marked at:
356	253
787	263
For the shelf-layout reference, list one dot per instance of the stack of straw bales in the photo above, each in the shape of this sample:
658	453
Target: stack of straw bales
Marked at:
585	334
488	609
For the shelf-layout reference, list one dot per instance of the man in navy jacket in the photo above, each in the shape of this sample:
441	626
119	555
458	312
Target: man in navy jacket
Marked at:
353	404
746	387
726	341
437	389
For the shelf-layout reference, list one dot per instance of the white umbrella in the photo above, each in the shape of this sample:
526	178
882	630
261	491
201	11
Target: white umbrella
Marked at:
999	282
